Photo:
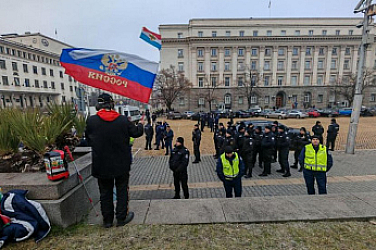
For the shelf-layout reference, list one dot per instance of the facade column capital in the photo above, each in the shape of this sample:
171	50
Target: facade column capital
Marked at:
262	48
289	48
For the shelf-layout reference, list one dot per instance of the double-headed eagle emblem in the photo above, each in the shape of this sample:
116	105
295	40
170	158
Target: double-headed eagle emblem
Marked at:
113	65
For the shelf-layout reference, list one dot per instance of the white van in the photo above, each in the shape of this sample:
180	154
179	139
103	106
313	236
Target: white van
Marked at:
132	112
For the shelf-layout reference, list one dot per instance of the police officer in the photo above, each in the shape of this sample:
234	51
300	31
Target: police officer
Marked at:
218	139
283	147
168	136
202	122
228	141
246	152
299	143
268	147
149	132
332	133
196	138
159	133
275	133
257	149
318	130
315	160
179	161
240	137
230	169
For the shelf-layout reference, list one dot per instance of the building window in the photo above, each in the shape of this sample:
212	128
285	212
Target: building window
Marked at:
227	81
214	33
227	99
253	80
307	97
320	80
324	32
255	33
8	51
253	65
13	52
36	82
337	32
27	82
35	70
2	64
214	81
71	88
268	33
53	85
180	35
200	82
333	64
70	79
228	33
200	66
267	65
351	32
200	53
14	66
308	51
307	80
17	81
281	65
240	52
1	49
45	84
61	74
213	52
213	66
227	66
266	80
294	65
241	66
310	32
181	101
201	101
295	51
297	32
281	52
294	80
320	98
51	72
241	33
346	64
253	99
240	100
283	32
180	67
334	51
25	68
307	65
5	81
372	98
227	52
240	82
254	52
347	51
321	51
62	86
320	64
267	99
280	81
268	52
44	71
180	53
200	34
332	79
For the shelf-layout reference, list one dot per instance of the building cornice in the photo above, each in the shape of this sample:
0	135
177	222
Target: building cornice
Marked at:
26	47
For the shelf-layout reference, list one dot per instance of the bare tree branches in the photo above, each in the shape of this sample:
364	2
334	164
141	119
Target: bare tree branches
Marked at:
209	91
249	85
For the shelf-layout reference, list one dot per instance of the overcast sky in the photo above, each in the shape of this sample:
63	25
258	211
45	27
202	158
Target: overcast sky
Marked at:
116	24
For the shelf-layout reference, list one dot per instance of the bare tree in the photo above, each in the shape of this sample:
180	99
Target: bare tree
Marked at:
249	85
209	92
171	84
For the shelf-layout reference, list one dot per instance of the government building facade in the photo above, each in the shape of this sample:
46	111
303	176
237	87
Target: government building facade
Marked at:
279	62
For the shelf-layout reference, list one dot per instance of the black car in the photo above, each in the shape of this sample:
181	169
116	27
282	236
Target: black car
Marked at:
328	113
292	132
196	116
242	114
366	112
222	114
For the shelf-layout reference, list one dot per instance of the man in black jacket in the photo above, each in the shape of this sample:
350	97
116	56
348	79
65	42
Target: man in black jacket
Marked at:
300	141
268	147
149	132
179	161
318	130
196	138
283	147
168	136
257	149
246	152
333	129
108	134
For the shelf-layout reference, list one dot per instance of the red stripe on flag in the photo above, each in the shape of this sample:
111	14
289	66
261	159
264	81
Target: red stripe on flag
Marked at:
151	32
114	84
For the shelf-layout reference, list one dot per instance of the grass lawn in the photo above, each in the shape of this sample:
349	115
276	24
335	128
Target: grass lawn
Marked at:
320	235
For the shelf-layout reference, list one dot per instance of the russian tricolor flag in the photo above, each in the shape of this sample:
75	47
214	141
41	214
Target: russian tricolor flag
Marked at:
124	74
151	37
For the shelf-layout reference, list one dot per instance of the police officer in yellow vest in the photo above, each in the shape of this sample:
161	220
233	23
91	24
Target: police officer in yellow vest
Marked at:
230	169
315	161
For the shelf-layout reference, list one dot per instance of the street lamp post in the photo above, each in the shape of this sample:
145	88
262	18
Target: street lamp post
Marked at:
358	97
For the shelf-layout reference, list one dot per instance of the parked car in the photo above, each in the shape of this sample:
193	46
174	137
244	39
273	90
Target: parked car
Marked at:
296	114
242	114
313	113
187	114
328	113
345	111
174	115
221	113
366	112
277	114
196	116
255	112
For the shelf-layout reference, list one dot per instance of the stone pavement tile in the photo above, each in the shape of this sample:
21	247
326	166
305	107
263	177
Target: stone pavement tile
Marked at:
369	198
191	211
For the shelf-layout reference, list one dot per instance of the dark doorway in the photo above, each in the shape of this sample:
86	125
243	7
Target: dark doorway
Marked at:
280	99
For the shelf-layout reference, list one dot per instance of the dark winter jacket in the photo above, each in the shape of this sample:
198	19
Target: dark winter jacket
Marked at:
282	141
196	136
108	134
333	130
149	131
318	130
268	142
179	159
168	135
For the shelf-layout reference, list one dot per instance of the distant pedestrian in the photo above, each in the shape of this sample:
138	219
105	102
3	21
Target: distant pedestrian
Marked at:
332	133
154	117
230	169
149	132
318	130
168	136
202	122
179	161
315	160
196	138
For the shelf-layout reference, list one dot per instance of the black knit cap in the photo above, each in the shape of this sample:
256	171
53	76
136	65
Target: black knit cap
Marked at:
315	137
181	140
229	149
281	127
105	98
268	127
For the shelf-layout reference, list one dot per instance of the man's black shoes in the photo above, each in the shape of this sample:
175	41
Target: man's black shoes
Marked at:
280	171
128	219
195	162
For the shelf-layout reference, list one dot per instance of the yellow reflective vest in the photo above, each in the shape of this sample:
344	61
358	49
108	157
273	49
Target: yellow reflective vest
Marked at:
230	171
315	161
131	141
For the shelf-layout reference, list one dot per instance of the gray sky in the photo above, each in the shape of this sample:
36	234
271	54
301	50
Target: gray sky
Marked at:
116	24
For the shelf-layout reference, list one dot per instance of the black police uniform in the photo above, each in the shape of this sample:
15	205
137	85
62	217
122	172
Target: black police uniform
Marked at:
149	132
246	152
268	147
239	141
332	133
228	141
257	149
275	133
196	138
218	138
299	141
283	147
319	131
179	161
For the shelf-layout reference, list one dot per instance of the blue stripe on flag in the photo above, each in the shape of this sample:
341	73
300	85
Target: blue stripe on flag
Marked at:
146	38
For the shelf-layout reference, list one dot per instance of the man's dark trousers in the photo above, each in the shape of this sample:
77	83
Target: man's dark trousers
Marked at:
148	142
283	159
235	184
310	176
106	189
196	151
168	144
330	142
181	177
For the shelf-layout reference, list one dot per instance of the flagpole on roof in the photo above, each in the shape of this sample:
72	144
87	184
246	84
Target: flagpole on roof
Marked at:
270	8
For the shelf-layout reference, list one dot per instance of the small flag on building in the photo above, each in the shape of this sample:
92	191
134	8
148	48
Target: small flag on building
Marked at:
151	37
120	73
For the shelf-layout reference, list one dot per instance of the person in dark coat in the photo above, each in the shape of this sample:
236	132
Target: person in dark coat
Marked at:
216	120
228	141
318	130
218	136
240	137
108	134
179	161
154	117
268	147
283	147
332	133
202	121
168	137
211	122
230	169
257	149
159	130
149	132
246	152
275	133
196	138
300	141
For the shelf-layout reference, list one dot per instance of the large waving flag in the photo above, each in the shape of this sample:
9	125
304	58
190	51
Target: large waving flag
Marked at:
124	74
151	37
